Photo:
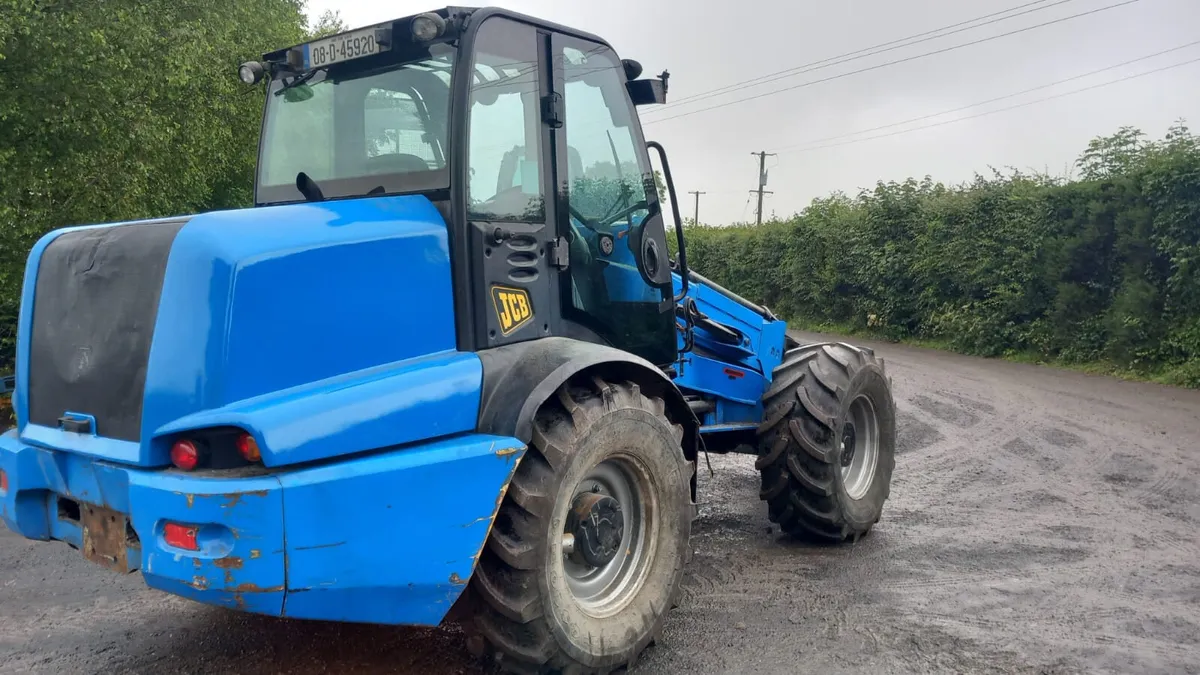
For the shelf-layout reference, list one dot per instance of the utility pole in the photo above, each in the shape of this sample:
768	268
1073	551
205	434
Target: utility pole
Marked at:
762	180
696	217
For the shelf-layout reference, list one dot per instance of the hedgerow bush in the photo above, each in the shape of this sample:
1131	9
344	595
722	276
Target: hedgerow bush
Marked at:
1105	267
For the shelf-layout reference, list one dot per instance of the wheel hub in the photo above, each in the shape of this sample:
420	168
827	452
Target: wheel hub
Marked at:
848	445
598	526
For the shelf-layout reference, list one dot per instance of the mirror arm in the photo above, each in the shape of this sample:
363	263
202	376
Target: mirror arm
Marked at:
683	268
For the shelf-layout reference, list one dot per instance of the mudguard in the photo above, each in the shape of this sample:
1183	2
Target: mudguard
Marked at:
519	378
425	398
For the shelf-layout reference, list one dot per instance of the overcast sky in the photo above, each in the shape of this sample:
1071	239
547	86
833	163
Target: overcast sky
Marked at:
706	50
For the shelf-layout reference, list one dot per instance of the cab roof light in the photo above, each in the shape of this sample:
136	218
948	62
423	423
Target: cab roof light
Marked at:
427	27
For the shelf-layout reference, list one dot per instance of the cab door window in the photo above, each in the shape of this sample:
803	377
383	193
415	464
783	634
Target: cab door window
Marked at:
505	156
605	176
605	171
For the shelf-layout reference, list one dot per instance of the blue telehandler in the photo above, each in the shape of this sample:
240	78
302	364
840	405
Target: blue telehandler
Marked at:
446	359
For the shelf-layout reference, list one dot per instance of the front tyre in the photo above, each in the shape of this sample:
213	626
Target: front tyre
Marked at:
587	551
827	442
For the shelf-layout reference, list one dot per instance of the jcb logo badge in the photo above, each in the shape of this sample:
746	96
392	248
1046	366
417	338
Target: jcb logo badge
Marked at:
512	308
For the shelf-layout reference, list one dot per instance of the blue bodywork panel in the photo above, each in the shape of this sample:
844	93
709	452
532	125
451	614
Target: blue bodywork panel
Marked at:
404	402
733	376
622	279
387	538
261	302
377	493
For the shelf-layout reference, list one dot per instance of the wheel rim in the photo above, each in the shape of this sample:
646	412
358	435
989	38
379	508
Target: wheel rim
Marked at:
603	587
860	447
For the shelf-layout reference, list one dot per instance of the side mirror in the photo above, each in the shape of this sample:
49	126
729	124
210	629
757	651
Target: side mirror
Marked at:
652	261
682	257
645	92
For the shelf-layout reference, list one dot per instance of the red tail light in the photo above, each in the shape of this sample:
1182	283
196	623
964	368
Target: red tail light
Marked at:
3	481
185	455
181	536
249	448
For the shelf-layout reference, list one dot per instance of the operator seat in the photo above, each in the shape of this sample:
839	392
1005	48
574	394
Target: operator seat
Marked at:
396	163
589	289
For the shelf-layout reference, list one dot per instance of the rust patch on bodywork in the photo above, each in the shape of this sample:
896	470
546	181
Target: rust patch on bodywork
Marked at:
233	499
200	583
255	553
457	580
229	564
492	523
240	590
255	588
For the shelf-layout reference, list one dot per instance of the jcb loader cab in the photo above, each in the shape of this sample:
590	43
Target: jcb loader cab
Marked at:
447	349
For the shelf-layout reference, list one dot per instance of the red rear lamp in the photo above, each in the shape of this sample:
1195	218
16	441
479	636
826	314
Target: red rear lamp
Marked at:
181	536
3	481
185	454
249	448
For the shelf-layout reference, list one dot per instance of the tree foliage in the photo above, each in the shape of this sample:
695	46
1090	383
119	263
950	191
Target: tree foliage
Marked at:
115	110
1105	268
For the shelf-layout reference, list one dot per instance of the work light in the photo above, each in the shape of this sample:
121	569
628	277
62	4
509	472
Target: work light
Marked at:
426	27
251	72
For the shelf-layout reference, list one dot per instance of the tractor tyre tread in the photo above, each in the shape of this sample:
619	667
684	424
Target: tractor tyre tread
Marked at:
512	626
799	441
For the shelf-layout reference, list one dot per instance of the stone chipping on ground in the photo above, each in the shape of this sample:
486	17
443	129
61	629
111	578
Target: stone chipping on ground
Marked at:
1040	521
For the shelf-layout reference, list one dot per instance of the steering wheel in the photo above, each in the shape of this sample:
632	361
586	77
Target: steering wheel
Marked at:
593	225
598	225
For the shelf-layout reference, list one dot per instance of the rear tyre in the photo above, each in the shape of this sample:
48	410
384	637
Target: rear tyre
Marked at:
827	442
587	551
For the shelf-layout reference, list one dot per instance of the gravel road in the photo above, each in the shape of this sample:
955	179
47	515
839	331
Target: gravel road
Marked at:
1040	521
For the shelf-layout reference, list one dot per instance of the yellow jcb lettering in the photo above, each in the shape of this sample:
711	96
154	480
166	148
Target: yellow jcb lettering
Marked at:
506	318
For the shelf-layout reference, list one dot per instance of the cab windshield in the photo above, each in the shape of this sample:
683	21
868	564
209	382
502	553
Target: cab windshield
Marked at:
357	131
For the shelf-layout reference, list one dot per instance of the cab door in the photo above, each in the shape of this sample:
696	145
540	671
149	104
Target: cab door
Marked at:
618	281
511	222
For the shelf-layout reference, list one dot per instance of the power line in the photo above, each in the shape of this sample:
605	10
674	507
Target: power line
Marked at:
1011	107
871	51
990	100
897	61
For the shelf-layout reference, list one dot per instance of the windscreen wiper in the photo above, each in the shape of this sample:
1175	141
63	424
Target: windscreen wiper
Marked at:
309	188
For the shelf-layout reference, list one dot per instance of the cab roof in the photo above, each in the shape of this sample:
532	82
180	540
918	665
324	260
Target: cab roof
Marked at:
459	20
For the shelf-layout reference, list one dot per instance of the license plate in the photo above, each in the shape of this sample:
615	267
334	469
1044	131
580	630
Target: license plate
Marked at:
343	47
104	540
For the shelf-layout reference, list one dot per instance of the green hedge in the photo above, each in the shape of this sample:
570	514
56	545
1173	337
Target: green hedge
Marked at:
125	109
130	108
1104	268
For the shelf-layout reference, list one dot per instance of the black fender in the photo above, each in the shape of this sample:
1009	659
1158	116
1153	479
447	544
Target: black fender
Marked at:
519	378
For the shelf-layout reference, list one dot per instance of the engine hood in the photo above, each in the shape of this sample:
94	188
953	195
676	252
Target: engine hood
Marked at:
134	326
